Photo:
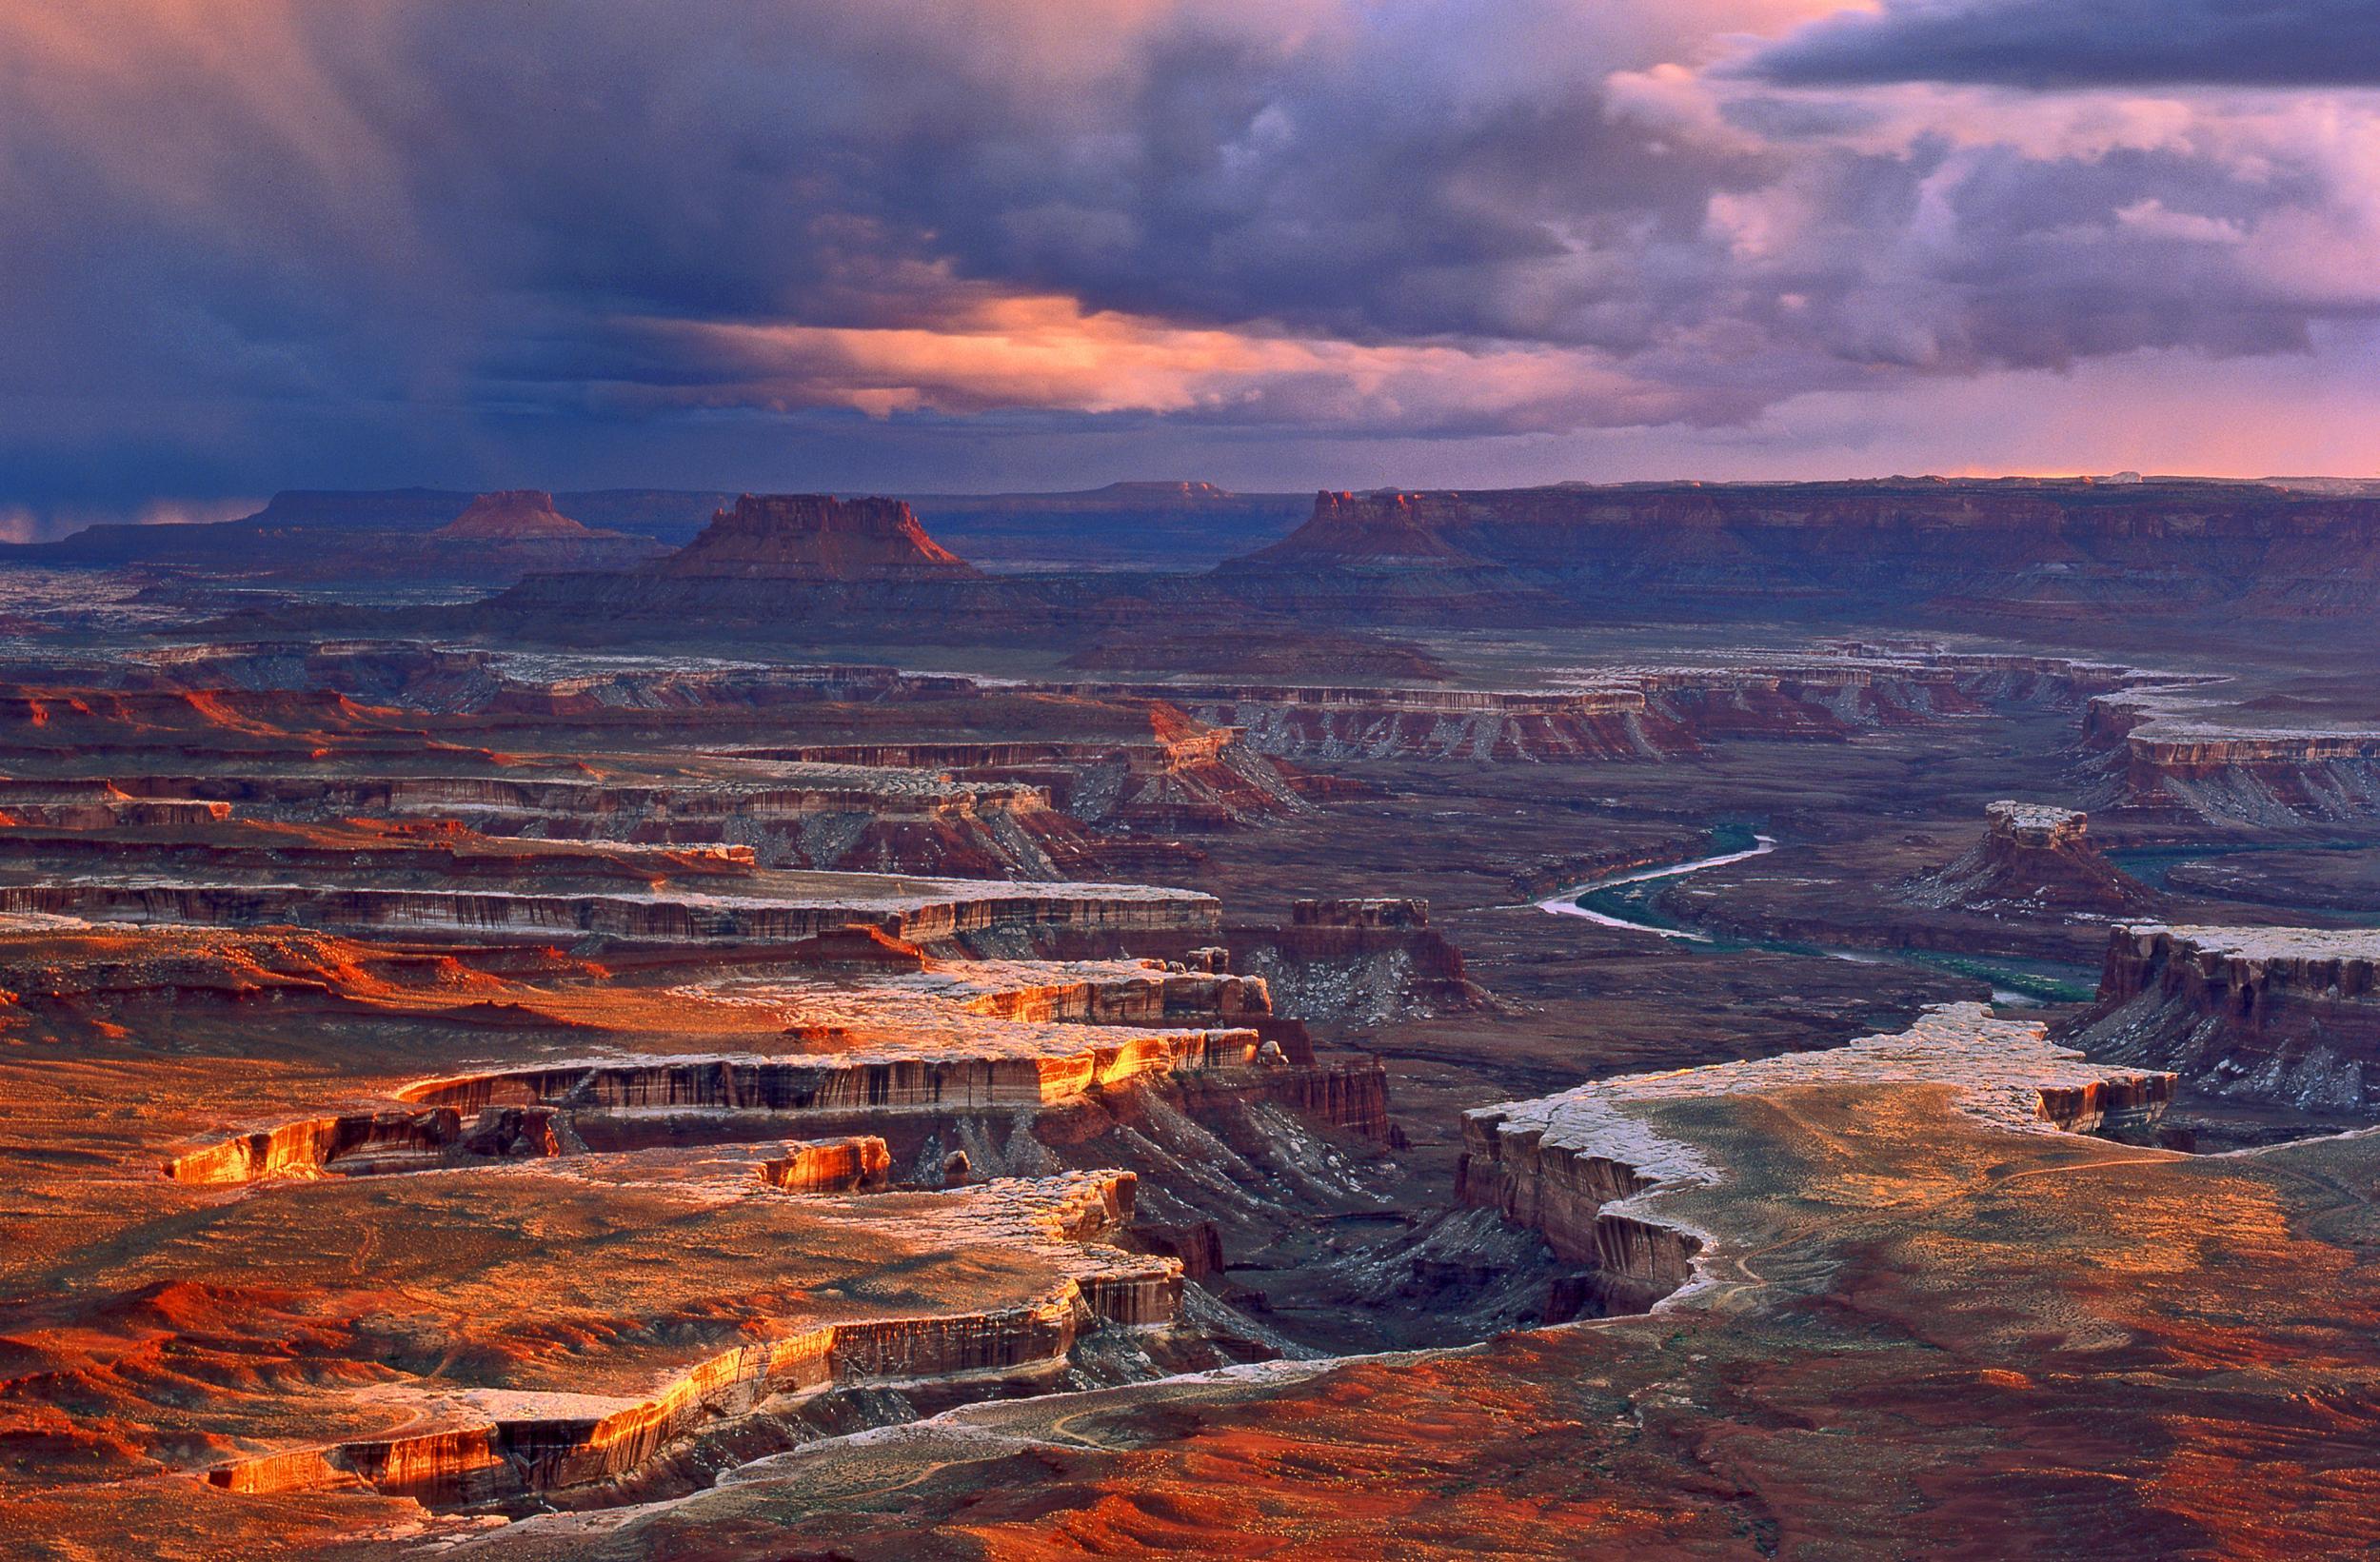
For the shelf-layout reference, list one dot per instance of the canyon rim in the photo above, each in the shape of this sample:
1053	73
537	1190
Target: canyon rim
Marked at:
1049	779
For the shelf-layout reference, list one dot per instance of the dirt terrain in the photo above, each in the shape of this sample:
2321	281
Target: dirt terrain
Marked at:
1371	1082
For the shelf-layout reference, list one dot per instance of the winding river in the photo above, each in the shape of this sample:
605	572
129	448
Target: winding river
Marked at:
1568	902
2014	984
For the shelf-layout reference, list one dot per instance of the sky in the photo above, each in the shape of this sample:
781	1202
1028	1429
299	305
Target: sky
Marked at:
934	246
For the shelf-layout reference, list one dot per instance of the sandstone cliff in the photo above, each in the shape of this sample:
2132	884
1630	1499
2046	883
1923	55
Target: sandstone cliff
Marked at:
2171	752
2280	1015
1589	1168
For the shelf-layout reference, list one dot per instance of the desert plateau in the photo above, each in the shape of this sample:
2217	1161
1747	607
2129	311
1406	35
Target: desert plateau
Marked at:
1362	781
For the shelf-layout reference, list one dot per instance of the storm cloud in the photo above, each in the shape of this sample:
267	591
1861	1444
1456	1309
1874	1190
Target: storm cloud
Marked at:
732	242
2059	44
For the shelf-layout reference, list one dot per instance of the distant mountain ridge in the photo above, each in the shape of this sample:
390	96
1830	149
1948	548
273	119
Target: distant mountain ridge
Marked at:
2041	546
1124	525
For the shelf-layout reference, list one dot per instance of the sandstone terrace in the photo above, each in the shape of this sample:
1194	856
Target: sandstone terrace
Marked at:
1906	1304
1877	1230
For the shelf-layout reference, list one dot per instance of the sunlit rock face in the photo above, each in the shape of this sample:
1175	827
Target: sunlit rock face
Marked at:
861	1163
2289	1016
512	515
814	537
2033	857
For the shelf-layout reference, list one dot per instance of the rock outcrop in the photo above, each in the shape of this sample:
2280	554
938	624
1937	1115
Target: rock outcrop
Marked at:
512	515
1357	960
2033	857
785	568
2287	1015
1385	530
1584	1167
861	1163
813	538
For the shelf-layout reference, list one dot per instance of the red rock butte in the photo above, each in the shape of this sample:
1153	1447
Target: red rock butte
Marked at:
815	537
1381	528
512	515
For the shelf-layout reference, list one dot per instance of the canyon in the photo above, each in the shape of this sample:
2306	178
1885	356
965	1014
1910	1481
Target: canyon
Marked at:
1705	1019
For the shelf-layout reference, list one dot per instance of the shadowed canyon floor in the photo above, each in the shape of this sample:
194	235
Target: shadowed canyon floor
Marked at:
1115	1092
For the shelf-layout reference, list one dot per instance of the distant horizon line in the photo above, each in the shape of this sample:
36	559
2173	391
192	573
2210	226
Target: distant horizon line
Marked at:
24	524
896	491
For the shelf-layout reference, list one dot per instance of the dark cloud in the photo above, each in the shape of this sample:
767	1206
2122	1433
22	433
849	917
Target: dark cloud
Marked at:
2053	44
625	240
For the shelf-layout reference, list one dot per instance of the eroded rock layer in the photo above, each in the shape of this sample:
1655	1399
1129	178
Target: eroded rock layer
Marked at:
1917	1315
1632	713
2281	1014
444	1215
2179	755
1577	1166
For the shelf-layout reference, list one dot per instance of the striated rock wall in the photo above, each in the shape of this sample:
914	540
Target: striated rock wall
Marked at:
861	1163
1357	961
2286	1016
377	1142
1632	713
502	1443
683	918
1563	1193
1345	1093
2161	754
834	1084
1334	723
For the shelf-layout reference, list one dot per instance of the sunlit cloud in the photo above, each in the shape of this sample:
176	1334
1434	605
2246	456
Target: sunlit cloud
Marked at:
1047	354
270	242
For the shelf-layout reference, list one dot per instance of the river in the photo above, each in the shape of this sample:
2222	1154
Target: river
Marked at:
1566	903
2046	982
